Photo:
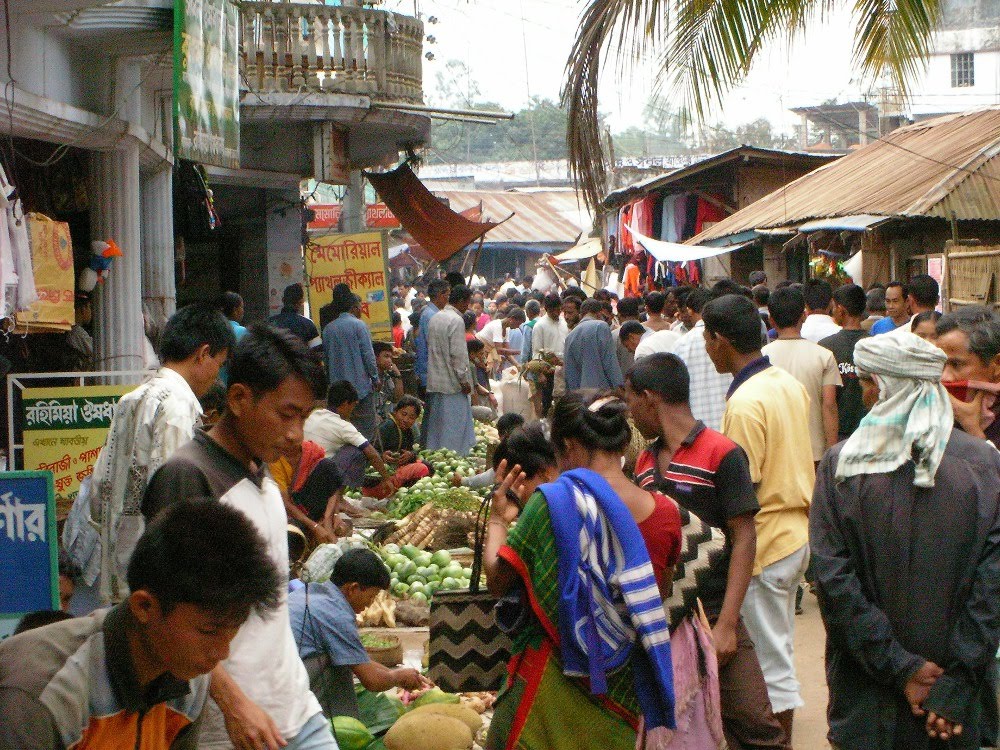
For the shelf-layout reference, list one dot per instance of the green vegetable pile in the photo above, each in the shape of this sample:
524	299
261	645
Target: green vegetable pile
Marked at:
417	575
370	640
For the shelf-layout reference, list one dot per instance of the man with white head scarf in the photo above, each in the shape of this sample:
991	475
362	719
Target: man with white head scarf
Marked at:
905	537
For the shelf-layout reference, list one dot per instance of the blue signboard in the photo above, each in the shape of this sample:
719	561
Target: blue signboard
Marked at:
28	545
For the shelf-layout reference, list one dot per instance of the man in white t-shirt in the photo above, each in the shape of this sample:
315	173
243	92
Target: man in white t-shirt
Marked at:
811	364
818	324
657	342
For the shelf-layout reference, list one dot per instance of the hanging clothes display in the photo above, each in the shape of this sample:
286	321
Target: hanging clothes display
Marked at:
17	278
708	213
630	279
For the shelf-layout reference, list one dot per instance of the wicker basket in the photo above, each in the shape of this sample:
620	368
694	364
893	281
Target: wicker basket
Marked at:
389	656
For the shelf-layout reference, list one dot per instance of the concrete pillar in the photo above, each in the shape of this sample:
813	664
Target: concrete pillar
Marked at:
114	214
354	204
159	293
803	132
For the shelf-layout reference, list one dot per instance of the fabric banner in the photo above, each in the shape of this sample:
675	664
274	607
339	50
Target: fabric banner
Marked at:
357	260
52	261
674	252
29	545
65	429
207	82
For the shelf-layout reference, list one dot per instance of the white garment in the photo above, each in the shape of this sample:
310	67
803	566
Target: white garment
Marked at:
149	425
507	285
708	385
17	276
658	342
817	327
492	333
549	335
408	300
331	431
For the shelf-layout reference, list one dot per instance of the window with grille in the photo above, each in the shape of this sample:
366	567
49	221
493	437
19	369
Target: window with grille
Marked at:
963	70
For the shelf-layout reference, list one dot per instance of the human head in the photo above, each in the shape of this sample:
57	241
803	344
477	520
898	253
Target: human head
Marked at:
585	422
651	383
757	278
406	412
459	297
875	301
553	305
628	309
231	305
383	355
655	302
196	342
924	293
970	337
592	307
397	319
726	286
924	325
40	619
68	573
414	319
849	302
509	422
293	296
342	397
470	321
732	328
476	308
477	351
437	293
895	300
694	303
571	310
189	593
818	294
273	383
527	447
761	295
532	308
454	278
360	574
630	334
527	281
787	308
515	317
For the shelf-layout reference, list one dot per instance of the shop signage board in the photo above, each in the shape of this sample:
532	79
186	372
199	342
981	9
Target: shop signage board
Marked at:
359	261
377	216
65	429
207	82
28	543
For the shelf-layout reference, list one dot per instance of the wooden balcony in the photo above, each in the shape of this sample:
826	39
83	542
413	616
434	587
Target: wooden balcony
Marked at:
290	47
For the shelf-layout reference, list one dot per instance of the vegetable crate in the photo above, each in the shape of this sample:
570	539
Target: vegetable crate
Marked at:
468	651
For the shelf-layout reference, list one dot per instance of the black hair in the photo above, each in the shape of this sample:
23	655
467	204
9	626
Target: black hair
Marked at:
532	307
606	428
508	423
436	287
266	356
783	284
786	307
852	298
980	324
519	300
459	293
552	302
397	319
629	307
875	300
406	401
511	293
179	559
414	318
575	292
630	328
214	398
469	319
817	293
663	374
901	285
603	295
517	313
696	300
293	295
381	346
655	302
474	346
230	303
527	447
190	328
757	278
924	289
761	294
341	392
360	566
927	315
454	278
735	318
591	307
723	287
40	619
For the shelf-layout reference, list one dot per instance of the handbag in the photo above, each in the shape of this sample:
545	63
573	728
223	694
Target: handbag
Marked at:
468	651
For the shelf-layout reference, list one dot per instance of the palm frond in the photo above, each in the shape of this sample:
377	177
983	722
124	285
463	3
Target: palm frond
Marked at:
893	37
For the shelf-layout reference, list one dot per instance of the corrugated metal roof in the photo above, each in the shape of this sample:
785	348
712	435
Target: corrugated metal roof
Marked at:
540	216
931	169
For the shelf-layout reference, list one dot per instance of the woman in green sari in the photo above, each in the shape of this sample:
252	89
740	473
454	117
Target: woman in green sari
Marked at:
541	708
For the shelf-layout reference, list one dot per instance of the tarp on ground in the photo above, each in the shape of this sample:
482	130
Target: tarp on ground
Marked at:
677	253
439	231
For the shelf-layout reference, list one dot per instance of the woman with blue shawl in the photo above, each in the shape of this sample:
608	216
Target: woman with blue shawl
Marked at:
584	573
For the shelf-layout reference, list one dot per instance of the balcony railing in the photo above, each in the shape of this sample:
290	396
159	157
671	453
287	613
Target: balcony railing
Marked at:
295	47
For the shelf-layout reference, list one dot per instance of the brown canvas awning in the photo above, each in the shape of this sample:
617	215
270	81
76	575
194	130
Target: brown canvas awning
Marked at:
440	231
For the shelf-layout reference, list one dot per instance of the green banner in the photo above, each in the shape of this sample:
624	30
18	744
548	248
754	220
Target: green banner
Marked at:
207	82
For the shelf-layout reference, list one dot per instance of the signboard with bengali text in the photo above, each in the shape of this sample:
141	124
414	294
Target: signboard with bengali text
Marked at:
65	429
357	260
29	546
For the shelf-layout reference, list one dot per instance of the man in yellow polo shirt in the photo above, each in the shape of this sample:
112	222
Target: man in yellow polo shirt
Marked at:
767	414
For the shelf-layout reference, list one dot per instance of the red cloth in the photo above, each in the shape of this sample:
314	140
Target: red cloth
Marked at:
708	212
662	534
630	279
404	477
312	454
398	336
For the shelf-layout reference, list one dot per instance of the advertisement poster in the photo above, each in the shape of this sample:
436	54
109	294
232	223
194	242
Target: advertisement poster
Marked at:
52	260
357	260
64	430
28	544
207	82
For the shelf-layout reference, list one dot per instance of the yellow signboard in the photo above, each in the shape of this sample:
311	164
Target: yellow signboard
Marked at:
65	429
357	260
52	260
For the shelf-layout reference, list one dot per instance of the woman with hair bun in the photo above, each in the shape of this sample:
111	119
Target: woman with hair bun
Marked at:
589	562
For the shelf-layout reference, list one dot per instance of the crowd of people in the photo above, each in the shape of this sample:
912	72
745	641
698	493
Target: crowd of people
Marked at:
688	464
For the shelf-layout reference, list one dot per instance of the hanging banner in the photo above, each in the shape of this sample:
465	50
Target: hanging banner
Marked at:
29	546
52	260
378	216
357	260
65	429
207	82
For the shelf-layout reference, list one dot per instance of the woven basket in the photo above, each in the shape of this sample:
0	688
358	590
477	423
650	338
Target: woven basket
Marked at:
389	656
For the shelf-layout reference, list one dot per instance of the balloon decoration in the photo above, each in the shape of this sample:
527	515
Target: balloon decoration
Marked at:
102	255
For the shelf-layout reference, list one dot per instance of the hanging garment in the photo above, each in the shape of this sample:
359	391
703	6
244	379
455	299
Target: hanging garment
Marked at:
668	223
680	217
708	213
631	281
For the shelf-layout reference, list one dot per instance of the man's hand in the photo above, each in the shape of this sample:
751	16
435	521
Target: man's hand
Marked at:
322	535
968	414
918	687
410	679
940	728
248	725
725	642
493	400
466	389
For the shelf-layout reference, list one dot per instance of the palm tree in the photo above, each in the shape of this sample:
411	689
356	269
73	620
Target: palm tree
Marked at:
702	48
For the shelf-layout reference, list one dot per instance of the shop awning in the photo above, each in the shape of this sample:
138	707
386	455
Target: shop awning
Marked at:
677	253
844	223
440	231
583	251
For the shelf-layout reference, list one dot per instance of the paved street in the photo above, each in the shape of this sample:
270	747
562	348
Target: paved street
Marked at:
810	638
